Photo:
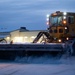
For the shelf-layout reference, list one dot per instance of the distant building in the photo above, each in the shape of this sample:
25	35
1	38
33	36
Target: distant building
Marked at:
4	34
22	35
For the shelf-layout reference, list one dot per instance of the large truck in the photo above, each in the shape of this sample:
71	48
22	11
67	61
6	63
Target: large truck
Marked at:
58	39
61	28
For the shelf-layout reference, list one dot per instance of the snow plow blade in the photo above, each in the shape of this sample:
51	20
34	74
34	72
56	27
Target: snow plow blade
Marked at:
11	51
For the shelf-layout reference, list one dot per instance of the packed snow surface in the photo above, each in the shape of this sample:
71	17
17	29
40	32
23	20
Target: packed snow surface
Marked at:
39	66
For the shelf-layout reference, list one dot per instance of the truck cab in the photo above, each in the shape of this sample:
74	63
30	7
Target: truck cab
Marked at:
61	25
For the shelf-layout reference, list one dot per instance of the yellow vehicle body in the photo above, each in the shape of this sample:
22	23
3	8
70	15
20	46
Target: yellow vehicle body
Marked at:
61	25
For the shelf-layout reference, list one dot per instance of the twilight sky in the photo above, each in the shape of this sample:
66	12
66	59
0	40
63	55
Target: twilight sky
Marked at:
30	13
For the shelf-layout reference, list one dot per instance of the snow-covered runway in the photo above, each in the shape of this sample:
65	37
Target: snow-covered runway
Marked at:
65	67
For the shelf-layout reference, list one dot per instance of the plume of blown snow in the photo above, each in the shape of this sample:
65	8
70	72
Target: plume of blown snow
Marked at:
46	60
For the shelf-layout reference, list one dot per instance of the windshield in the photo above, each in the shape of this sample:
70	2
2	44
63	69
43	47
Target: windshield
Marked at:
57	20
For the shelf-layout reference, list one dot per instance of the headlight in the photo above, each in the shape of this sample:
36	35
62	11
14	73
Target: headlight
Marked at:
59	40
67	38
64	13
47	15
64	17
64	22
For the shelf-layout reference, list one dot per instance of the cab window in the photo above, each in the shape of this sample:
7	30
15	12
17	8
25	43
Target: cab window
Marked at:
71	19
55	30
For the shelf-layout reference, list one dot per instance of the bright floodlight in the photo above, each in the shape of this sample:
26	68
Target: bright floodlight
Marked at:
47	23
64	17
65	27
64	13
47	19
47	15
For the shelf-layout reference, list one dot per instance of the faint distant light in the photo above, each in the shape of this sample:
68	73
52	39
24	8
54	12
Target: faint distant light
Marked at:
8	38
47	15
18	39
33	37
25	37
64	13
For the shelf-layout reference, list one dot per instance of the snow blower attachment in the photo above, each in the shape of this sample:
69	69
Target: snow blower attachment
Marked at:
11	51
58	39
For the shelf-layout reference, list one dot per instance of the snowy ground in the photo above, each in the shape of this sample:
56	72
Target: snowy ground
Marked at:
39	66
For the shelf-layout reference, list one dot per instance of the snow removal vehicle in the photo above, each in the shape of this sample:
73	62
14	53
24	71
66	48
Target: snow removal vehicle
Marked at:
61	29
59	38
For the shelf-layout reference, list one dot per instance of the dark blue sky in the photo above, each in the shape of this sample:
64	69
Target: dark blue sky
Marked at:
30	13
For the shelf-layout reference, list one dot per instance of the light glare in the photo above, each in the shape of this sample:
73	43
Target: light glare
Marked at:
65	27
47	23
64	13
59	40
64	17
67	38
47	19
47	15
